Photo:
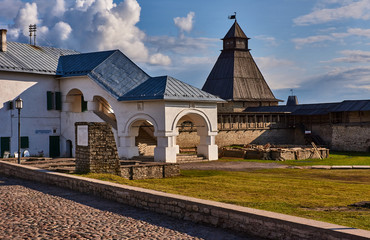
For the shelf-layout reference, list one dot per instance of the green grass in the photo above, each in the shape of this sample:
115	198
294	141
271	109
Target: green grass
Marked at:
336	158
316	194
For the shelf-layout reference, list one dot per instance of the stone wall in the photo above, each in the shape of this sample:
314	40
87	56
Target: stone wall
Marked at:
247	220
227	138
146	171
100	155
351	138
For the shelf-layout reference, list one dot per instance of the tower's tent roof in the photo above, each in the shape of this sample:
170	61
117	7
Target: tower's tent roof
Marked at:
235	32
235	76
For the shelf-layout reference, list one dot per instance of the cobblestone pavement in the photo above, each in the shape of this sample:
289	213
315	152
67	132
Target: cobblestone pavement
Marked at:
32	210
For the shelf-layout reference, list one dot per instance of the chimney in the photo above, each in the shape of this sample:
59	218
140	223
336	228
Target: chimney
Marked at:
3	40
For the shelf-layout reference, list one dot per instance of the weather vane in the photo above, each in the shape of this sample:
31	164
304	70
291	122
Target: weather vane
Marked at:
233	16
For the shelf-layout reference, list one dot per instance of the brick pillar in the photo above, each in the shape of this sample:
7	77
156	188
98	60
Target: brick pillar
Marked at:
96	149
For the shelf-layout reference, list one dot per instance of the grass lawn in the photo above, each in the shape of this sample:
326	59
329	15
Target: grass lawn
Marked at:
317	194
336	158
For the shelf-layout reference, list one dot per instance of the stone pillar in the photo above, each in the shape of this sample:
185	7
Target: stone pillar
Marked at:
96	150
165	150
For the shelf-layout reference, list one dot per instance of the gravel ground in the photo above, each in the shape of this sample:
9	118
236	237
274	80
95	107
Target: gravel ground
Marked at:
32	210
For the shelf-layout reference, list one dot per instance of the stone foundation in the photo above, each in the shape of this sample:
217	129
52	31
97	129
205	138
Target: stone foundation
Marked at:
141	170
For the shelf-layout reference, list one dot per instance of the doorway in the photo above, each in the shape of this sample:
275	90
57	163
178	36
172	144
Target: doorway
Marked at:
54	146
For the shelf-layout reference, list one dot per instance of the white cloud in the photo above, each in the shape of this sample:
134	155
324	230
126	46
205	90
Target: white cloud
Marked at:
280	73
270	40
360	32
352	56
59	8
354	9
88	25
300	42
160	59
62	30
185	24
26	16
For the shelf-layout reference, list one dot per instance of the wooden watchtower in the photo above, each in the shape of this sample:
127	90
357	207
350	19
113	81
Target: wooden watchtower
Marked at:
236	78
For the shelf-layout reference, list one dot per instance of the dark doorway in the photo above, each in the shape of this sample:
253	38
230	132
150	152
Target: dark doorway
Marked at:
54	146
69	149
5	145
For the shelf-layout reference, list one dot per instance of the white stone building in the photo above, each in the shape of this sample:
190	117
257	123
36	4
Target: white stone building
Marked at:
60	87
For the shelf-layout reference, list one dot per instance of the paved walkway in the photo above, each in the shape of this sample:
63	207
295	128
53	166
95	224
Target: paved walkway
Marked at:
31	210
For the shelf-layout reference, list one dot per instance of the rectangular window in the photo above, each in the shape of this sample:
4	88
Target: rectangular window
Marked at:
10	105
24	142
58	101
50	100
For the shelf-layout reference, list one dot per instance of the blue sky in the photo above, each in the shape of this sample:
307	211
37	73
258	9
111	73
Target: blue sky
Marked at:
319	48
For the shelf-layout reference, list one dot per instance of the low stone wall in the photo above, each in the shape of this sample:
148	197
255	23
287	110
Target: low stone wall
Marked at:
276	153
146	171
251	221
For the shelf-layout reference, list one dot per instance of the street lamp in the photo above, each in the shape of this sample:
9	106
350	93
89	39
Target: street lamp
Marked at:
19	106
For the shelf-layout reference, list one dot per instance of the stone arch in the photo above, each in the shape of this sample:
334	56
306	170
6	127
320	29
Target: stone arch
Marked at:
204	129
139	117
196	115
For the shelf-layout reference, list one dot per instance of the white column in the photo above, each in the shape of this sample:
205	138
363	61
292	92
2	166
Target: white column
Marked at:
165	150
127	148
207	146
92	106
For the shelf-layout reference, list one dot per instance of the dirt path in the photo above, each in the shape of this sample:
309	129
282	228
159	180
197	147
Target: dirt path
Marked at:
230	166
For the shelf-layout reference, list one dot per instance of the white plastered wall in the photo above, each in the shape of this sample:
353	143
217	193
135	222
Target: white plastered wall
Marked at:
37	123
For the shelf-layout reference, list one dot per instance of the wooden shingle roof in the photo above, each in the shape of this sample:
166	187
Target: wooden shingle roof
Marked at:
235	31
235	75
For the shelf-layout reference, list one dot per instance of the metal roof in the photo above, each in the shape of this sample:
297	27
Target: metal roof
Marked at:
315	109
352	105
21	57
111	70
81	64
168	88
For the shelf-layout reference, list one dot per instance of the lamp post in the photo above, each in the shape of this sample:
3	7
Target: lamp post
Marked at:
19	106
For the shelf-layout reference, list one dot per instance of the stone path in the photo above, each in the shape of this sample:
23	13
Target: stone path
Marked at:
31	210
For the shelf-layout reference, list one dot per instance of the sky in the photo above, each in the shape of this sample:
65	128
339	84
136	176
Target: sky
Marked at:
317	49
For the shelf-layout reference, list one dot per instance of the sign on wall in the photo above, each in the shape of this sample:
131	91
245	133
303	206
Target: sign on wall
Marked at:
82	135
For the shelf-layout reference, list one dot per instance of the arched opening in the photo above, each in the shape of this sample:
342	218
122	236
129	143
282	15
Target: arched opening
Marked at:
145	139
195	136
105	111
76	101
